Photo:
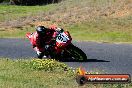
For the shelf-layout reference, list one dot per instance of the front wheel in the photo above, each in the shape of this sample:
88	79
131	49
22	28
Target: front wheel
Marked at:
75	53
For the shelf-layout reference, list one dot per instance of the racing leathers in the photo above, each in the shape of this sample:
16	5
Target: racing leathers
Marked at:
40	42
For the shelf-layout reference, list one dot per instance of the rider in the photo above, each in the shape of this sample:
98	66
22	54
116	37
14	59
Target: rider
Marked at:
42	37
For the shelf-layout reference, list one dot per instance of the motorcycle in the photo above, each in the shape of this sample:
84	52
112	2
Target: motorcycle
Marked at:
63	49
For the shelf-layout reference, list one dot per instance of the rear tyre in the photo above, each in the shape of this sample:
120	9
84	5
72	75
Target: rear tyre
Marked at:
76	54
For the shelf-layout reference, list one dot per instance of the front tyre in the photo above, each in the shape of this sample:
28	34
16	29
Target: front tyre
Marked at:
75	53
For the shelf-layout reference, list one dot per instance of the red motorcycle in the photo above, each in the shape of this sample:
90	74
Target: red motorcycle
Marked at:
62	49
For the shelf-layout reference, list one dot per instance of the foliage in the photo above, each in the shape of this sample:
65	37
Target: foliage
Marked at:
1	1
47	65
33	2
20	74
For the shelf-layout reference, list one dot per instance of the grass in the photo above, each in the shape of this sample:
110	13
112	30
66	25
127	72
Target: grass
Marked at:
25	74
101	30
104	30
33	73
15	33
11	12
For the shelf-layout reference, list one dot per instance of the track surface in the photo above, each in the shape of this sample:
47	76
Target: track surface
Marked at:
109	58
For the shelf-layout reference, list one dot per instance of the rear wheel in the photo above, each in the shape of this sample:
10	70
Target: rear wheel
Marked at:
75	53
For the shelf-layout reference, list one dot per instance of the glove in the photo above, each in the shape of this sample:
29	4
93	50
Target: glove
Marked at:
59	30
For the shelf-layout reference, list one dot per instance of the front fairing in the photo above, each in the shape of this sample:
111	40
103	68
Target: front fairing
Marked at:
60	45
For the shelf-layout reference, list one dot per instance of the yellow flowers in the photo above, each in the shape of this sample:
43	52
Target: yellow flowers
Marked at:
47	64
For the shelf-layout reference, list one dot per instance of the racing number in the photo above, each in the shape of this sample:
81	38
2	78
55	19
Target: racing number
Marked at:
61	38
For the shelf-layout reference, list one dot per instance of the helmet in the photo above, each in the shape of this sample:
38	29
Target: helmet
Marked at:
41	30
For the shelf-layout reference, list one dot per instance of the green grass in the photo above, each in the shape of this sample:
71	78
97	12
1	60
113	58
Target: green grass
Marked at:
35	73
101	30
30	74
104	30
9	12
15	32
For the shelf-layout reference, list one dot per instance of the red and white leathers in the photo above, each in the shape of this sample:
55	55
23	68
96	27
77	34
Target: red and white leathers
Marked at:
39	42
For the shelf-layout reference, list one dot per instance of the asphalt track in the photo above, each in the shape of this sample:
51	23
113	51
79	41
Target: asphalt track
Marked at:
109	58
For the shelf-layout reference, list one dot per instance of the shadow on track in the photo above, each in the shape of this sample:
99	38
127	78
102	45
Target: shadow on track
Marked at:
88	60
96	60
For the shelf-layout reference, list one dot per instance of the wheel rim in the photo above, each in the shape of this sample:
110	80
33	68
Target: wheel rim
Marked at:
75	55
78	56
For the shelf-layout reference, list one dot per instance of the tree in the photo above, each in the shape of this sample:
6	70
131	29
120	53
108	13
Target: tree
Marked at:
33	2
